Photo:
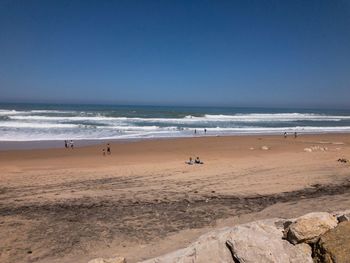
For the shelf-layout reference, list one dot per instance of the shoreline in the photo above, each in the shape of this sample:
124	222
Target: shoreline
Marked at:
57	144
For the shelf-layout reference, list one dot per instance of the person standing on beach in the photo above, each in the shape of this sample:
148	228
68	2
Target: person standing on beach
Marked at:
285	135
108	149
295	135
195	131
66	144
205	131
71	144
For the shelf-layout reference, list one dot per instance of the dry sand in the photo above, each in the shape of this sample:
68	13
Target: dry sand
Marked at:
63	205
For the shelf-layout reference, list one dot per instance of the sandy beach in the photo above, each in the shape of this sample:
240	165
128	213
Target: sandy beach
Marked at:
143	200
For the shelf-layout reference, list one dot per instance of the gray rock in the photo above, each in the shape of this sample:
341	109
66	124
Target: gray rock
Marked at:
262	241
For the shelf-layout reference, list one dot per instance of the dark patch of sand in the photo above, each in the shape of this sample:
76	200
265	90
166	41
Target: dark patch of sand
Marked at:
54	228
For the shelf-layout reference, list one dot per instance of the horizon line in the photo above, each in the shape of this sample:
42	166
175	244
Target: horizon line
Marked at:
169	105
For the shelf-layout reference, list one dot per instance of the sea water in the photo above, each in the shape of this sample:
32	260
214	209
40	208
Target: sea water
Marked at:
36	122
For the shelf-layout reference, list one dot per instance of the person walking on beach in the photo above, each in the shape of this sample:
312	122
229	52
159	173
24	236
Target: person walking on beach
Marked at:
71	144
108	149
285	135
205	131
295	135
103	152
195	131
66	144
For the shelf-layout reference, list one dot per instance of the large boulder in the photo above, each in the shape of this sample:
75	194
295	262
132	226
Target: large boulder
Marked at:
260	241
108	260
334	246
307	228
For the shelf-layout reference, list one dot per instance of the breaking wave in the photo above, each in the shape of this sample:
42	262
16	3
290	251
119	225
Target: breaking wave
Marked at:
57	124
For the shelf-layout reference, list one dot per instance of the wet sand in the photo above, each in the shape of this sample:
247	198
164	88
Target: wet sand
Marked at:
63	205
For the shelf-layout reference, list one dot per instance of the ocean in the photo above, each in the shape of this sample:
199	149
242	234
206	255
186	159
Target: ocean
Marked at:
38	122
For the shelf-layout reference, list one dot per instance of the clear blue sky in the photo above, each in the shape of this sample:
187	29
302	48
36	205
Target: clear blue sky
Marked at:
229	53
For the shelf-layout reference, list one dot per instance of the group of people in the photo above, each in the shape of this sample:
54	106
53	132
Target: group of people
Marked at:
107	150
343	160
68	144
196	161
295	135
205	131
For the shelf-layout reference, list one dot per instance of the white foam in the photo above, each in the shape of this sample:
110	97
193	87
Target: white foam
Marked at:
280	117
258	117
10	112
52	111
278	129
133	128
36	125
74	118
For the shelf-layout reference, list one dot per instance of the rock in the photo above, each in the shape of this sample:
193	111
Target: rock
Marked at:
343	218
259	241
315	148
342	212
308	227
262	241
265	148
342	215
108	260
334	246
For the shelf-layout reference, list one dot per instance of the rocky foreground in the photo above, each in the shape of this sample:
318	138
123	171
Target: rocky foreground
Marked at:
314	237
